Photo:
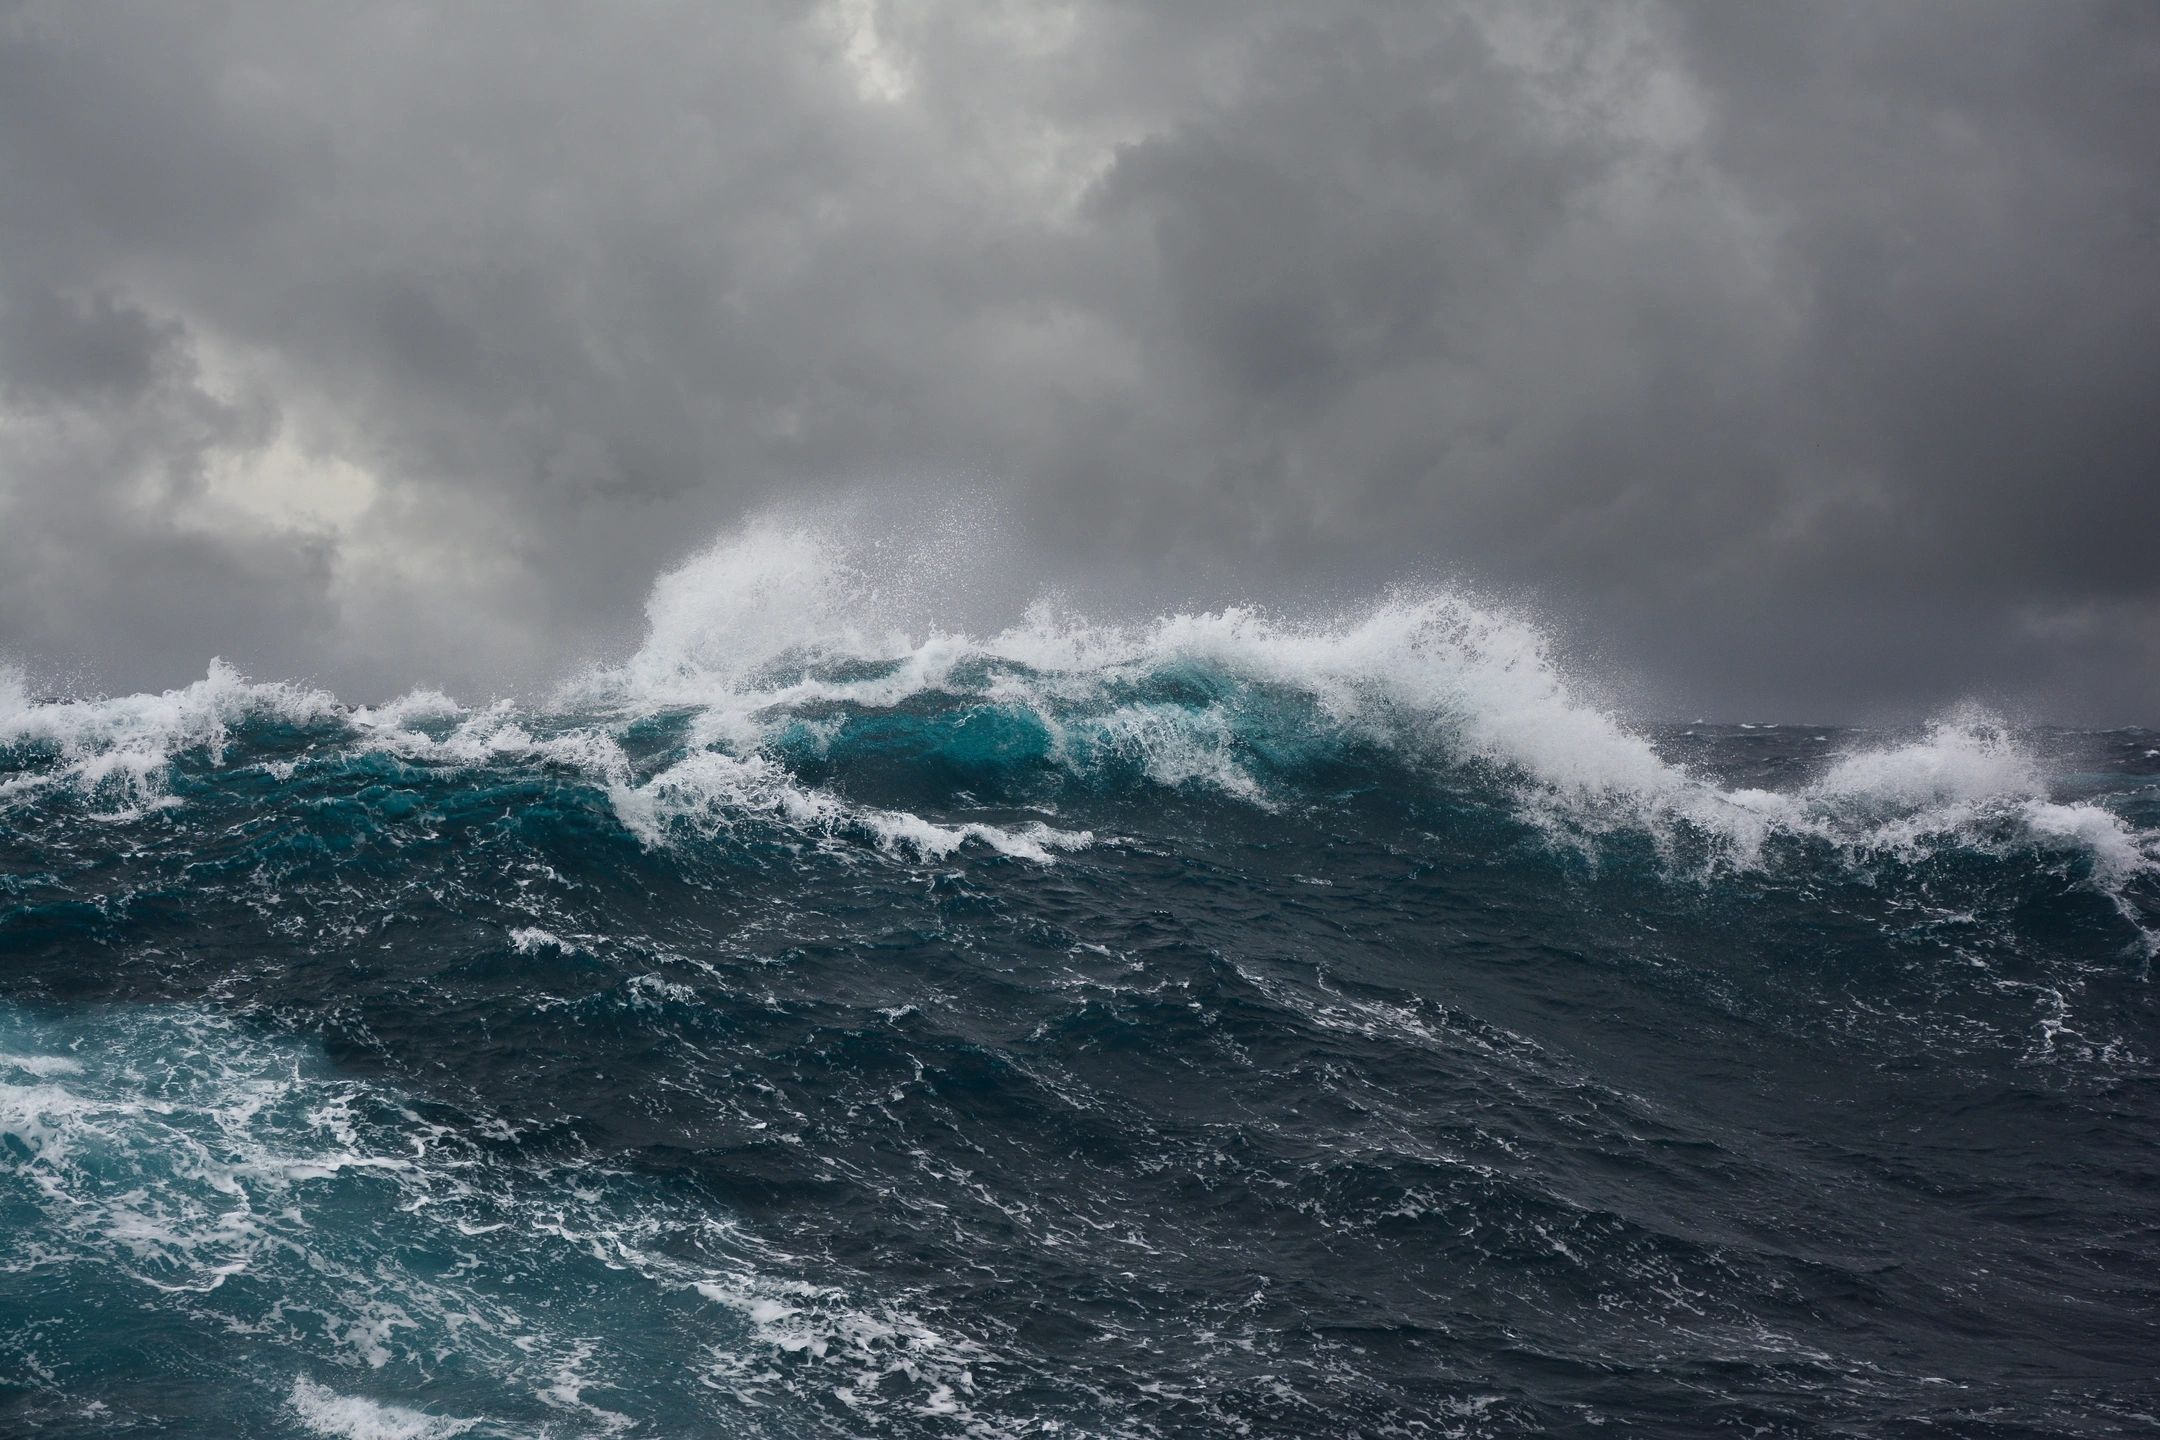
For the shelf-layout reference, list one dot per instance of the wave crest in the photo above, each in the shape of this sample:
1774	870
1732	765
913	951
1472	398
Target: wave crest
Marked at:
781	636
773	623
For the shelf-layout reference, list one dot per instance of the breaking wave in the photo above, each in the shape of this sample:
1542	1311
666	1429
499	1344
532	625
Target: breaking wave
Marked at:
781	651
834	1016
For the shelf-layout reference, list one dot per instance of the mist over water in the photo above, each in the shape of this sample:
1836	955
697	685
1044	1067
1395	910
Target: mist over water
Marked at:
849	1012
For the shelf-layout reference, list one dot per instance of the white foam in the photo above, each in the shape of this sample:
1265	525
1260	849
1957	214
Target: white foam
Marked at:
2118	853
353	1417
41	1065
777	617
710	792
496	735
185	1149
406	709
1963	758
531	939
1967	780
1434	673
739	630
128	742
753	597
863	1347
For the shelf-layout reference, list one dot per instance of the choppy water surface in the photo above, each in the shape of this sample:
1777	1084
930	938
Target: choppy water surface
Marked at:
1219	1025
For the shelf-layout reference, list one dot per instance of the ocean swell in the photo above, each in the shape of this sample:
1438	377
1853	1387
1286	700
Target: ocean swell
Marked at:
777	653
833	1017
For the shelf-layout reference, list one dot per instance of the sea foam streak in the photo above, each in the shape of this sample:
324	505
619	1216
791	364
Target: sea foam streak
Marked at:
785	624
178	1160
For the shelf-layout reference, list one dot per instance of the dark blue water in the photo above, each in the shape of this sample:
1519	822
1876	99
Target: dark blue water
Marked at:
1213	1027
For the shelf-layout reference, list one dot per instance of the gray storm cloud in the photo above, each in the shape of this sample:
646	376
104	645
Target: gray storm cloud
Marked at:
1798	358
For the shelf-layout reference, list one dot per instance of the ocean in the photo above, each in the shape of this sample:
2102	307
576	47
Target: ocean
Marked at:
827	1021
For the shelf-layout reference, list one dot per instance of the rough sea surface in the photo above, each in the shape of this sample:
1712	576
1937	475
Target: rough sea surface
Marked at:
817	1024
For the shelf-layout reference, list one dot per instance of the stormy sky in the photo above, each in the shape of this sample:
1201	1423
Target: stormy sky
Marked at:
1797	360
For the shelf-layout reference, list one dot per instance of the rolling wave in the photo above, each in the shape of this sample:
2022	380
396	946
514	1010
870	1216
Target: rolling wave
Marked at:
831	1017
769	657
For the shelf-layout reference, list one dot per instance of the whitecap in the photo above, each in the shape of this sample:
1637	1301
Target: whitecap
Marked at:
353	1417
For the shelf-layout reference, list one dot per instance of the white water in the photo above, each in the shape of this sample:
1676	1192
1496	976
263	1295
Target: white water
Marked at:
780	616
178	1161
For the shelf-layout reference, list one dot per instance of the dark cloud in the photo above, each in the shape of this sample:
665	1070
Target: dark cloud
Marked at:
1796	356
